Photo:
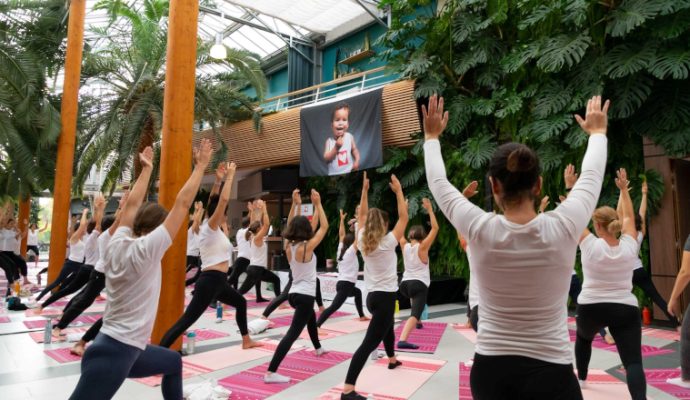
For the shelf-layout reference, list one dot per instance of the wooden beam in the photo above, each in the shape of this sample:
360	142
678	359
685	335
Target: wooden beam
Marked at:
176	152
67	139
23	221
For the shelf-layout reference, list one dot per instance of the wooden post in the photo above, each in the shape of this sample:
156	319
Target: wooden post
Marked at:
176	152
66	141
24	208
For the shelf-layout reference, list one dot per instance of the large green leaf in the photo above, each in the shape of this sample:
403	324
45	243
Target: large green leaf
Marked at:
564	51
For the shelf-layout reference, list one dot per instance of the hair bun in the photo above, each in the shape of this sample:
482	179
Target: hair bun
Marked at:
521	159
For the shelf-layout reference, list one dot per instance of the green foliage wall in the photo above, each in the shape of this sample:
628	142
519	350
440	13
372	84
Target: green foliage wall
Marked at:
518	71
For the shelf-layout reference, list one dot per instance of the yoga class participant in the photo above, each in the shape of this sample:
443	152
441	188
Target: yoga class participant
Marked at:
215	249
193	258
416	278
133	282
243	252
75	258
32	240
606	298
674	308
10	249
348	270
377	245
523	348
302	240
257	271
93	230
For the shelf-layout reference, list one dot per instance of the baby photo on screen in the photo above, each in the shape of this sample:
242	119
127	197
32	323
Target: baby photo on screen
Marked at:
341	152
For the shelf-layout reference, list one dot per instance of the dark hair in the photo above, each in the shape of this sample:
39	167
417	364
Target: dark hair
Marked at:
107	222
212	205
90	227
417	232
33	224
245	222
516	167
299	229
76	226
149	216
347	242
638	222
253	228
341	105
189	225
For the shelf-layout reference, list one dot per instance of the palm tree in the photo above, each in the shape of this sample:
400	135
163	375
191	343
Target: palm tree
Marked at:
123	114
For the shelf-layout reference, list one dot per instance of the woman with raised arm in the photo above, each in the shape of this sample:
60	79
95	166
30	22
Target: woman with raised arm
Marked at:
416	278
348	270
523	348
75	259
216	251
377	246
10	250
606	298
133	282
243	250
302	240
32	240
679	286
257	271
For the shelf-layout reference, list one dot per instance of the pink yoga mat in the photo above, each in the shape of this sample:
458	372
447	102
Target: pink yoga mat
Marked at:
48	312
38	336
323	334
4	319
84	319
299	366
286	320
599	343
661	334
62	355
347	325
426	338
380	383
206	334
658	377
468	333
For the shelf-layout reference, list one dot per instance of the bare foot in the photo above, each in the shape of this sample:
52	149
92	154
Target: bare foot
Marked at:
609	339
38	310
264	318
322	309
57	332
247	343
78	349
364	318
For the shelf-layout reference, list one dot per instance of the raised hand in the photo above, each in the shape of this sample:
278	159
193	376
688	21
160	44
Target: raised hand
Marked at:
146	157
544	203
221	171
342	215
296	198
198	205
426	203
470	190
395	185
315	197
203	153
596	118
250	206
644	187
365	183
99	201
435	119
232	167
569	176
622	179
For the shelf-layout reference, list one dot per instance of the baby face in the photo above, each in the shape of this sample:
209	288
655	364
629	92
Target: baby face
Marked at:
340	122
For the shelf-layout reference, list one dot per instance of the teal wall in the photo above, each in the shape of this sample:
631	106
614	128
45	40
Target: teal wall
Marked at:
277	84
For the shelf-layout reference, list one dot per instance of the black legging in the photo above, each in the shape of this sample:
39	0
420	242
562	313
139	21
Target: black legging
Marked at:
304	316
574	293
93	331
256	275
624	323
416	291
277	301
381	305
80	279
67	273
642	280
343	290
8	266
238	267
83	300
18	262
211	285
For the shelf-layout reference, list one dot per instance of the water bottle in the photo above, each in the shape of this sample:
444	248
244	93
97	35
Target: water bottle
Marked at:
219	312
48	332
425	312
17	288
397	307
191	342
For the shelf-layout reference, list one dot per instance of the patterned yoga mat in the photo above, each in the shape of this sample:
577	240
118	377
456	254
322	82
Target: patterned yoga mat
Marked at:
38	336
62	355
426	338
84	319
599	343
286	320
299	366
658	377
4	319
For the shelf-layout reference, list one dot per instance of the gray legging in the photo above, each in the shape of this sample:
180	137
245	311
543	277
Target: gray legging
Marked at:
685	347
108	362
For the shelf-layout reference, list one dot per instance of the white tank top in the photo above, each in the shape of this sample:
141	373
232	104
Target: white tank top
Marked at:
76	251
415	269
348	267
3	239
243	249
257	254
91	248
342	163
32	238
638	260
192	243
214	246
9	240
303	273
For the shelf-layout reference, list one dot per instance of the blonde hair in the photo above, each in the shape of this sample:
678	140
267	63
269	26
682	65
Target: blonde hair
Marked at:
607	217
375	229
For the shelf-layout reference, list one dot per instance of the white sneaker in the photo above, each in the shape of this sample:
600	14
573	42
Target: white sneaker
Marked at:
276	378
321	351
374	355
583	384
678	382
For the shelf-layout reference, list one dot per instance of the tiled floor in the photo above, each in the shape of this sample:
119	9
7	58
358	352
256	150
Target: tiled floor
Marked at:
27	373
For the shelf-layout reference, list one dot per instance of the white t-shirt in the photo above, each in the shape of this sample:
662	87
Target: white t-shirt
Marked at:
76	250
32	238
343	161
258	254
103	241
133	284
473	298
415	269
214	246
606	270
348	267
303	273
524	270
638	260
381	265
192	243
3	239
243	249
91	249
